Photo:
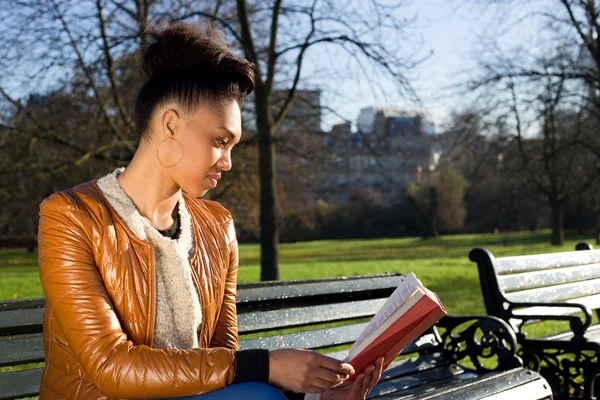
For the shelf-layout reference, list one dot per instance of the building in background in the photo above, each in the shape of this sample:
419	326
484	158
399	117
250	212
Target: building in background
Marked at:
389	149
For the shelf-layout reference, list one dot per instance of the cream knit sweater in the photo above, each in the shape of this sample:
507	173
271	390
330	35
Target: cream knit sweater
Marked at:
178	308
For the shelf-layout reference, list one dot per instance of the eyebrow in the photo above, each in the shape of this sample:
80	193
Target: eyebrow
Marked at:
233	135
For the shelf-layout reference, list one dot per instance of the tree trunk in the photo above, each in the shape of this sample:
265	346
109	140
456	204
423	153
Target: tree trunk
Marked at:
427	218
557	222
421	216
433	212
269	233
597	228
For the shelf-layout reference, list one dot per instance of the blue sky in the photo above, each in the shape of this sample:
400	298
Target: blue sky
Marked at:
454	31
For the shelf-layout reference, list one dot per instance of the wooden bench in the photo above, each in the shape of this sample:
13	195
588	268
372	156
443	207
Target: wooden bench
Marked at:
430	371
549	287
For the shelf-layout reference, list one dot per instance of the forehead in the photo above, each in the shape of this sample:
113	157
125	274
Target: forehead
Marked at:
228	115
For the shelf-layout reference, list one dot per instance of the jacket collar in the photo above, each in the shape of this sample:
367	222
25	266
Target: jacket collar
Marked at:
139	225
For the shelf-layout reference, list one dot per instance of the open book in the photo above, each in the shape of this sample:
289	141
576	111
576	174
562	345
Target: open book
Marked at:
408	312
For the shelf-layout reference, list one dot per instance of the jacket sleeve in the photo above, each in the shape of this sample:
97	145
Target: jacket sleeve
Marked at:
76	295
226	331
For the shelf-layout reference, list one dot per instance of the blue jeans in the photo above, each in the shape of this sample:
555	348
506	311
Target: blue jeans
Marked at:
246	391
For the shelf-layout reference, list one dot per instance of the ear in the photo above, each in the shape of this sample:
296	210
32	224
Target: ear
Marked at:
170	123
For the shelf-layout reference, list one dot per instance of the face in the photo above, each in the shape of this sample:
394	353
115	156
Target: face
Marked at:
206	143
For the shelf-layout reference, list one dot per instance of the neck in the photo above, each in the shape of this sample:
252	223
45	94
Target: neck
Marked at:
154	195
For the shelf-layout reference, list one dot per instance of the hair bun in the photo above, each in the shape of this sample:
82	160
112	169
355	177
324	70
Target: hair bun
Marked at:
186	48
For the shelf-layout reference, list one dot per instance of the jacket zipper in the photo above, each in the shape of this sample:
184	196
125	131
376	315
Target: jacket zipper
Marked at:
152	298
200	294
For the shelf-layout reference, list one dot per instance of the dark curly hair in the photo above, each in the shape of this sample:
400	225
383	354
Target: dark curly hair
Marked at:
191	66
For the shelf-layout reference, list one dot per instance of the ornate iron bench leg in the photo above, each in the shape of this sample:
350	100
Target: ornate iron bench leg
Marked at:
563	367
590	373
488	343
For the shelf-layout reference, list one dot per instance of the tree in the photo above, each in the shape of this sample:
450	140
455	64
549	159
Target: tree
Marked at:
439	203
500	194
325	23
548	95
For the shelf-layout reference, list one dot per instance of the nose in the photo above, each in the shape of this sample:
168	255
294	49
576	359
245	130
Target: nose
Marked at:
225	161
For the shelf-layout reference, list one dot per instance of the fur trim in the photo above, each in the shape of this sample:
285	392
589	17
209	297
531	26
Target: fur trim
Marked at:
178	309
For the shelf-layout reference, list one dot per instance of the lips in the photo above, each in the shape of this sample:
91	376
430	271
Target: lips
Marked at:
214	179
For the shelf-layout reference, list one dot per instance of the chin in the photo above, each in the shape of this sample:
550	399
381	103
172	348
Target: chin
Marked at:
200	193
195	192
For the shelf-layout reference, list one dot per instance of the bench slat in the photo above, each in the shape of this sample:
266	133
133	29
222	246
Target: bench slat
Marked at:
536	389
36	302
21	321
506	265
408	366
301	316
253	299
18	384
529	280
592	302
316	339
21	350
317	288
263	284
471	386
592	335
388	389
328	337
557	292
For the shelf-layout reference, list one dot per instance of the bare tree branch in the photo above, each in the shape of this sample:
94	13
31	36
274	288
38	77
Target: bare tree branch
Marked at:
87	72
271	55
110	69
299	60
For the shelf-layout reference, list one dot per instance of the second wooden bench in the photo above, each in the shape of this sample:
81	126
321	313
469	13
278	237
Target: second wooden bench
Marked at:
549	287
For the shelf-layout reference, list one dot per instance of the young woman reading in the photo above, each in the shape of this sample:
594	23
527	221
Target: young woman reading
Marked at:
140	273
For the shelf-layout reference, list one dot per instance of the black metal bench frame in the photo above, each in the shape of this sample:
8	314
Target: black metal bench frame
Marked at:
526	289
432	369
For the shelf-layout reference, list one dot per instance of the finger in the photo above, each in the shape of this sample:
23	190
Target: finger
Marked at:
366	380
376	374
340	384
329	375
321	383
348	369
335	365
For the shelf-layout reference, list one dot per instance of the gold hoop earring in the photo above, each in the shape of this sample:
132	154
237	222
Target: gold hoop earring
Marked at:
180	152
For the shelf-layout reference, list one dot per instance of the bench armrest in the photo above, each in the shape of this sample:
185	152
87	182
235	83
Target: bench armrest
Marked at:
486	342
577	325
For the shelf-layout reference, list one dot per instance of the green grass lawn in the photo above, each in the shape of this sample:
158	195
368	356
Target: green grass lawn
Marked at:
442	264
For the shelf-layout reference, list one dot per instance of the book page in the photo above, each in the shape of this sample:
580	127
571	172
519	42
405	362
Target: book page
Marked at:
402	292
414	297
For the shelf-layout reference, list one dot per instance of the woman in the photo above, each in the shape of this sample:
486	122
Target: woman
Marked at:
140	275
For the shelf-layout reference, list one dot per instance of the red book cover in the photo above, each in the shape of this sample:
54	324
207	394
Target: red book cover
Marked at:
400	334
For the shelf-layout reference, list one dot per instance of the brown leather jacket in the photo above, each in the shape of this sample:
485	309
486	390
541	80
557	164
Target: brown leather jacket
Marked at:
100	303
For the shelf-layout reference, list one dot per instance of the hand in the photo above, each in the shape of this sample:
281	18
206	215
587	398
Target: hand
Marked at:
360	388
306	371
